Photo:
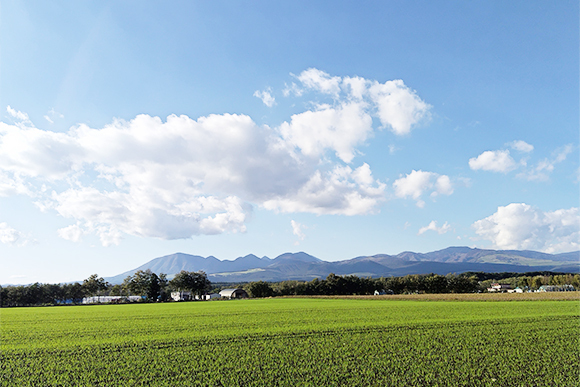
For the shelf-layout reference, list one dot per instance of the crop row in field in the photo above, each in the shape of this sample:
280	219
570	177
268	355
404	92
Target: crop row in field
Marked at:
299	342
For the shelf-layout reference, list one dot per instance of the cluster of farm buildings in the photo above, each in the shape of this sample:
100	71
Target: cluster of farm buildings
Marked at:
503	288
175	296
226	293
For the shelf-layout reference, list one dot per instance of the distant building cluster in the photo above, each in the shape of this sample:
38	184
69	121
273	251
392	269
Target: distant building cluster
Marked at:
503	288
556	288
226	293
111	299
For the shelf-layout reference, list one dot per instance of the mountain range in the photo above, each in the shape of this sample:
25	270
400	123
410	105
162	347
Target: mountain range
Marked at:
302	266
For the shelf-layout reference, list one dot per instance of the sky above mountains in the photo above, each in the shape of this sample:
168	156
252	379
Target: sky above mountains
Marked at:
131	130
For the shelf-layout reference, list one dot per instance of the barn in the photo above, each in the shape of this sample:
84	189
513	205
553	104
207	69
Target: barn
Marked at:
234	293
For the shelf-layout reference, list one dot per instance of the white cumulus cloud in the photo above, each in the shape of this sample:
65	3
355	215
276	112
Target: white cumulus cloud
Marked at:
395	105
73	233
341	191
432	226
495	161
339	128
521	226
416	183
521	146
398	106
320	81
266	97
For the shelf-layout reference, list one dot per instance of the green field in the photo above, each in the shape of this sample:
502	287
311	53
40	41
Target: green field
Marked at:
294	342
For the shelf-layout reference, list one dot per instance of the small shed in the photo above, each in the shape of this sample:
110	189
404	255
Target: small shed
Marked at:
234	293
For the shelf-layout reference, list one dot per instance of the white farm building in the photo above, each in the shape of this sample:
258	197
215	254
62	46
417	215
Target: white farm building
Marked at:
234	293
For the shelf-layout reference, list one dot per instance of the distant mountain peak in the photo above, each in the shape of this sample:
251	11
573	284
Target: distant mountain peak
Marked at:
299	256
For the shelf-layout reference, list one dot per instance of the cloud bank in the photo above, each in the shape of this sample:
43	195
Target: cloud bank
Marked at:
521	226
182	177
174	179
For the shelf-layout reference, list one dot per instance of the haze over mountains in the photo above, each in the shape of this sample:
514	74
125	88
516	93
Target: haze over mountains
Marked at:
302	266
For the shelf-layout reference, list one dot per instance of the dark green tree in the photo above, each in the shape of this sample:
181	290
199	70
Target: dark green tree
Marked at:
462	283
144	283
154	288
436	283
3	297
94	285
163	283
53	294
260	289
116	290
195	282
74	292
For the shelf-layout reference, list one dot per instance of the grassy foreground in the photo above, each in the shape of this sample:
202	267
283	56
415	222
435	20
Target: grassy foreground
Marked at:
291	342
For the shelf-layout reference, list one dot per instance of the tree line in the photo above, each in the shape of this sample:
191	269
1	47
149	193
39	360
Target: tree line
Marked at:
469	282
152	287
335	285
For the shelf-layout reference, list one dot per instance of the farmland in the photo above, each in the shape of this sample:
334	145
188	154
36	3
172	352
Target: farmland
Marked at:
294	341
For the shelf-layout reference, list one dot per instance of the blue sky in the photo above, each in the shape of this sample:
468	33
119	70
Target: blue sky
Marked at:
135	129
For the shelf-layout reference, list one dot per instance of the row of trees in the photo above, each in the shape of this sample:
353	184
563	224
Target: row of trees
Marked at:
150	286
430	283
353	285
41	294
